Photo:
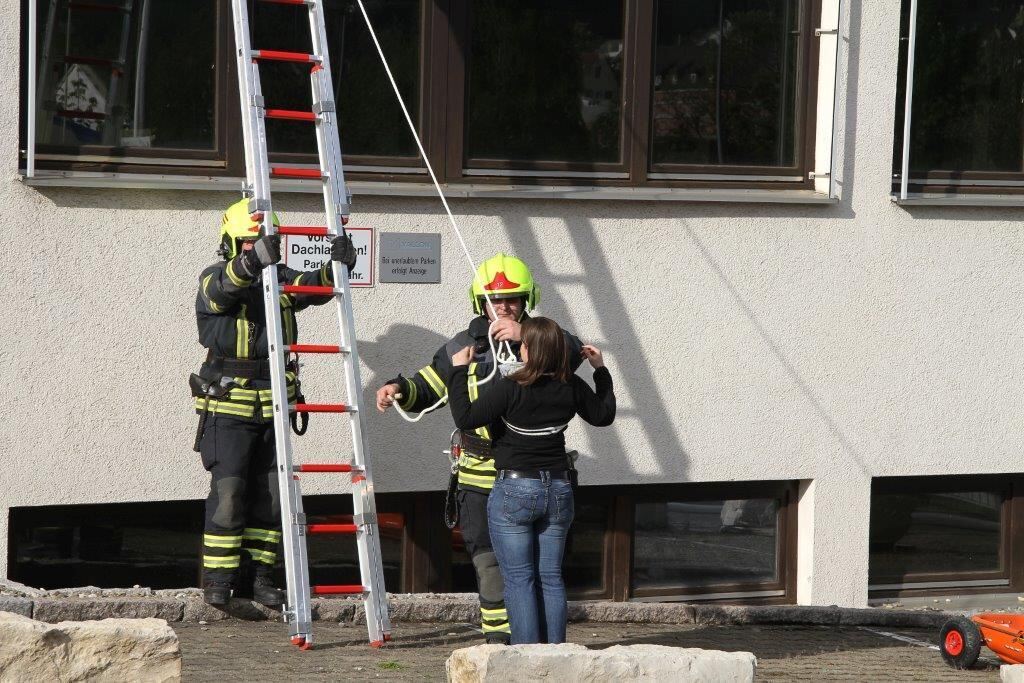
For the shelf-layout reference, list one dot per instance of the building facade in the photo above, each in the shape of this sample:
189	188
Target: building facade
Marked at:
813	328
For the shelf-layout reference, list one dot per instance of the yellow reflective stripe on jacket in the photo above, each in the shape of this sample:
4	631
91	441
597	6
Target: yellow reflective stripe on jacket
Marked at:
235	278
326	275
242	335
225	407
434	380
480	482
214	306
472	462
409	394
474	394
288	317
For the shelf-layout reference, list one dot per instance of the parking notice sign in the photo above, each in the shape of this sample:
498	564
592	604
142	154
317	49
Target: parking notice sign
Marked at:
309	253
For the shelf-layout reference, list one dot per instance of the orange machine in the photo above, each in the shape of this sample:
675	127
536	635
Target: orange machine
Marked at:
960	639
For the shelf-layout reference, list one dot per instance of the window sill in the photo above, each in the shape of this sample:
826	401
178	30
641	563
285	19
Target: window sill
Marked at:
934	199
460	190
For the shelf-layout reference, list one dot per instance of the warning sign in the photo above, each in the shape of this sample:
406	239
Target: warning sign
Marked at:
309	253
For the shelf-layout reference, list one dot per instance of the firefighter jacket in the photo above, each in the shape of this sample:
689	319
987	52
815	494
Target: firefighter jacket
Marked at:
232	325
422	390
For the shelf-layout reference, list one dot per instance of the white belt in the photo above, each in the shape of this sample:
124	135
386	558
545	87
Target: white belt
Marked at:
543	431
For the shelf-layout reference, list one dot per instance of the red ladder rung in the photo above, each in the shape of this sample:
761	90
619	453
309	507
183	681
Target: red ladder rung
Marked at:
332	528
315	290
289	115
337	590
321	408
323	468
72	114
307	230
313	348
284	56
286	172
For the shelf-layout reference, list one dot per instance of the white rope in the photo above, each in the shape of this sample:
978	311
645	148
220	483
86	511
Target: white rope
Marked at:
507	353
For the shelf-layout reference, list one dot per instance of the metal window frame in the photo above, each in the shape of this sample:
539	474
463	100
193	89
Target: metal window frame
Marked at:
908	106
442	121
1011	537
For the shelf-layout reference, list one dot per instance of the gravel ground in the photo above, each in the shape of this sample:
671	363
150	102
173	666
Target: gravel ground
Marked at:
236	650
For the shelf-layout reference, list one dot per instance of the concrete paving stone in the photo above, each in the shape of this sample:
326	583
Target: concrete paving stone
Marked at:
16	605
53	610
234	650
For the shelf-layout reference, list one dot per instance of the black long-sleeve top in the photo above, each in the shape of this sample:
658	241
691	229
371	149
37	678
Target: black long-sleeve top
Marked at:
510	408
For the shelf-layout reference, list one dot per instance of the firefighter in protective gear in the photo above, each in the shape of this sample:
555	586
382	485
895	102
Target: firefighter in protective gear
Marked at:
233	397
513	293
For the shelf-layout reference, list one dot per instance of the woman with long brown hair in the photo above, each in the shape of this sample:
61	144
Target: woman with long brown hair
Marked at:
530	507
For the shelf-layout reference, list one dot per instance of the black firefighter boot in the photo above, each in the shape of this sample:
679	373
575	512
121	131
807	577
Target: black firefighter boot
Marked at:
216	593
263	589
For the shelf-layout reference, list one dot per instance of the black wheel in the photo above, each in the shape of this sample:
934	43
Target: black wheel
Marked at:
960	642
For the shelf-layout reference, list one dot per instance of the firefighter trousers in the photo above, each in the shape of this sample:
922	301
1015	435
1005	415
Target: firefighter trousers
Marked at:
242	511
477	536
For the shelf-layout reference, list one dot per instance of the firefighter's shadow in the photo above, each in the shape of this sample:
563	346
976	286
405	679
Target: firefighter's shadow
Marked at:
405	456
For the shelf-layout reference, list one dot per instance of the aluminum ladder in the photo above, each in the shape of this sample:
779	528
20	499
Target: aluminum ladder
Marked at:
259	172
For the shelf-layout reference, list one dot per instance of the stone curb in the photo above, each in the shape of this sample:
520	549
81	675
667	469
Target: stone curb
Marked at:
186	605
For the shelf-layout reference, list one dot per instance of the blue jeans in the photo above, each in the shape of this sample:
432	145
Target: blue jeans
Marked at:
529	520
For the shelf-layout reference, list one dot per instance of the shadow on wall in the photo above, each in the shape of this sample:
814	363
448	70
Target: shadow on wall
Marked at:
618	328
398	449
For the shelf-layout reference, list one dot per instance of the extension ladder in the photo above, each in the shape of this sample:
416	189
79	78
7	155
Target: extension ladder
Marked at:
258	172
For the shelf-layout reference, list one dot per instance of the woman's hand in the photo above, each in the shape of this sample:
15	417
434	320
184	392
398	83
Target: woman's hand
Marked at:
463	357
594	355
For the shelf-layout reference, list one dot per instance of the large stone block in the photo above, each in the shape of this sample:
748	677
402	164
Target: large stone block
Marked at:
568	662
1011	673
74	609
108	650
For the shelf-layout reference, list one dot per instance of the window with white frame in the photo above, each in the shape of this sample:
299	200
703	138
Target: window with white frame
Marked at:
966	110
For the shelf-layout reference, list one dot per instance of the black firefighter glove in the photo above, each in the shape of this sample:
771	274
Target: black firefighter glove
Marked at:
342	251
265	252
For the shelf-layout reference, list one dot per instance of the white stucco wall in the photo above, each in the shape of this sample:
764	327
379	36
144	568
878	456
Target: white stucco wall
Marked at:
829	343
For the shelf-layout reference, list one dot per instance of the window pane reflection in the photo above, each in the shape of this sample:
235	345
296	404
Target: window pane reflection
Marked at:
685	544
544	80
917	533
725	82
370	120
127	74
582	566
968	109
